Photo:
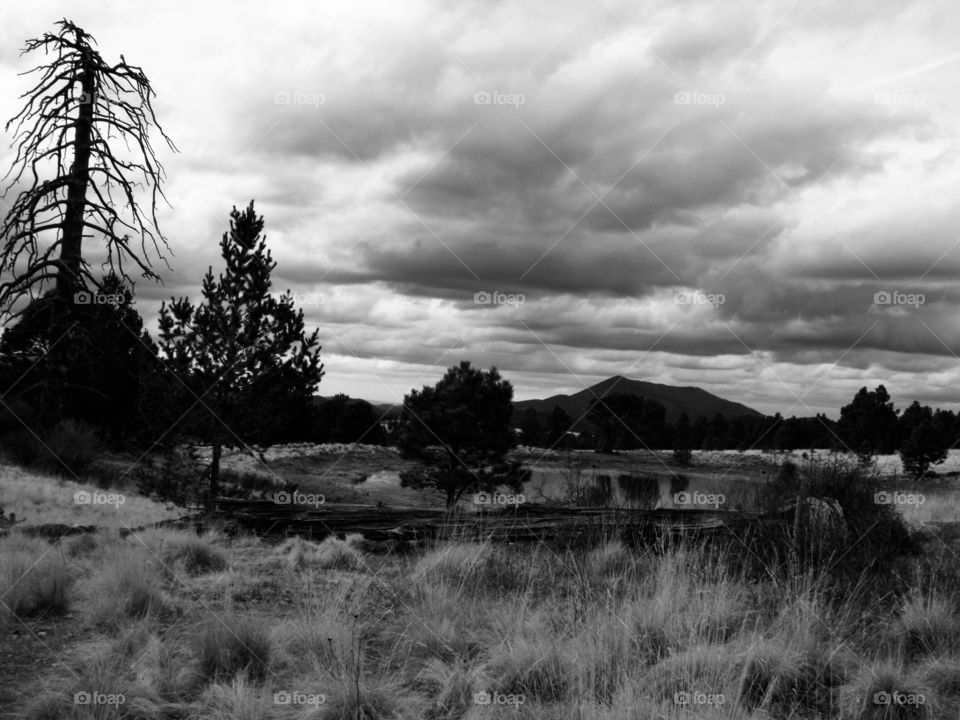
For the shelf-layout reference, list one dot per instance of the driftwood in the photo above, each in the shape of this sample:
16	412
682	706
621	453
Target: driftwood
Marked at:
529	522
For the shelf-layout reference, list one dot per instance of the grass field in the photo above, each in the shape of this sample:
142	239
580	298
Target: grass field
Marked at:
166	624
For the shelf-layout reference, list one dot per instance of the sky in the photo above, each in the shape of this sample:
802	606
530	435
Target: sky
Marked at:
759	199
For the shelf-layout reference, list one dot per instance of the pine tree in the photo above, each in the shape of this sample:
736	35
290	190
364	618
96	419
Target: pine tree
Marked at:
241	358
467	416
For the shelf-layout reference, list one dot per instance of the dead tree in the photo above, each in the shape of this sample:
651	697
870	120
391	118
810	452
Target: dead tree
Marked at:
87	124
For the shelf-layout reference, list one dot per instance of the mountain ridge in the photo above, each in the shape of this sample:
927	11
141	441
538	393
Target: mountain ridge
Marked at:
689	399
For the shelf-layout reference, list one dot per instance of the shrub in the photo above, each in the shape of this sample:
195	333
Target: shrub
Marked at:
331	554
376	698
129	585
231	645
870	696
610	559
236	701
83	545
454	563
193	554
532	668
927	625
23	447
34	579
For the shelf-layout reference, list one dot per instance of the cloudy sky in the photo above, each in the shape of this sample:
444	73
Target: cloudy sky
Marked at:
760	199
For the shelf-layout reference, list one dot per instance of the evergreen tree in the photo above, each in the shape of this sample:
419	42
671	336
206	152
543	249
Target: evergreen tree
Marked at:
532	433
923	448
465	417
558	426
868	425
243	356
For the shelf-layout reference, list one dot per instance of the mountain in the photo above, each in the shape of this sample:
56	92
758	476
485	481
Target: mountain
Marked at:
693	401
389	411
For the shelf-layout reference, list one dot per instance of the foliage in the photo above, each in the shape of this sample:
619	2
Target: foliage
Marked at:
242	359
869	422
620	415
467	415
108	356
923	448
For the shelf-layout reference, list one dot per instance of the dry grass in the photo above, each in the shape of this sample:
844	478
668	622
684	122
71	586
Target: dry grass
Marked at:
40	498
35	579
211	627
128	584
229	646
331	554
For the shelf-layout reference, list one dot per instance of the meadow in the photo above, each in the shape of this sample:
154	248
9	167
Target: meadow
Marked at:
166	623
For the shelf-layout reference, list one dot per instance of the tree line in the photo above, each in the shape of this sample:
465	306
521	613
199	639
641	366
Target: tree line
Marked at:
868	425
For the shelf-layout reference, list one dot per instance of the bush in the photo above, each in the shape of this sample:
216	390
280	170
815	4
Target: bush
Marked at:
231	645
331	554
83	545
193	554
129	585
69	448
34	579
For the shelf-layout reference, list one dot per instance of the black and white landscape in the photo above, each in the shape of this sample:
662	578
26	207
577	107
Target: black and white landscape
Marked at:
479	360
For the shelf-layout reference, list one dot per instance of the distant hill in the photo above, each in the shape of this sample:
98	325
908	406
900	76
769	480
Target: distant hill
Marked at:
389	411
693	401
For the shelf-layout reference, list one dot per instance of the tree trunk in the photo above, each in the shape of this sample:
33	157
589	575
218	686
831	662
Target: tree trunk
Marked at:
71	232
214	476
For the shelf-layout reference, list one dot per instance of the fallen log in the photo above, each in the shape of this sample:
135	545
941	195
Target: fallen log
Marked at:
529	522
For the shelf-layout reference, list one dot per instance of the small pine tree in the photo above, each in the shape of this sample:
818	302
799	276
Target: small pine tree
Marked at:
923	448
467	417
242	357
